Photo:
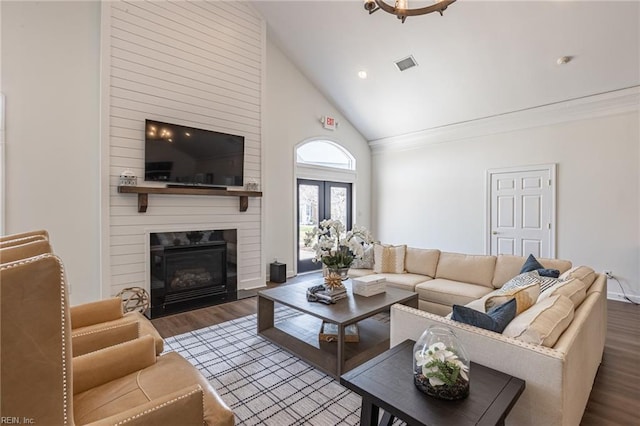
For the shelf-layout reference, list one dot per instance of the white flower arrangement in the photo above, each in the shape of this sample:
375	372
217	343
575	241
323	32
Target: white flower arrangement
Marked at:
334	246
441	365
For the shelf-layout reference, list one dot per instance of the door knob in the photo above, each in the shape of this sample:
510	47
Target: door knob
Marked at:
495	232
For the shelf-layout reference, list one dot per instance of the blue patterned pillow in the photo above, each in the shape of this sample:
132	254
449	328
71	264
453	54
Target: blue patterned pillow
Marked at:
496	319
532	264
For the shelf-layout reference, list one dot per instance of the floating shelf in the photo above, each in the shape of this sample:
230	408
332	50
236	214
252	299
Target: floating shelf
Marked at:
144	191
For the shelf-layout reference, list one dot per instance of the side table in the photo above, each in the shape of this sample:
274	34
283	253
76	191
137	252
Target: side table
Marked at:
386	382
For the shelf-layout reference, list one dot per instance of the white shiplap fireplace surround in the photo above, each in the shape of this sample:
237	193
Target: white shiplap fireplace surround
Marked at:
198	64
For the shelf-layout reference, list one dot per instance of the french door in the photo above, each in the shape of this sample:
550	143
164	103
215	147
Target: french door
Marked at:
317	201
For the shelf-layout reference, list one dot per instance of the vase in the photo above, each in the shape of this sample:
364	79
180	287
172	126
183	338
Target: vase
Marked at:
441	365
343	272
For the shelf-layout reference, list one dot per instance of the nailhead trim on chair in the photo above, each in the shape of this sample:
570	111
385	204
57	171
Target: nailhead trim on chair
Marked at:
164	404
100	330
65	388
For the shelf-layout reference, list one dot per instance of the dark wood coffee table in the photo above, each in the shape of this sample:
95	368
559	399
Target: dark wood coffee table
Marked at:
299	335
387	382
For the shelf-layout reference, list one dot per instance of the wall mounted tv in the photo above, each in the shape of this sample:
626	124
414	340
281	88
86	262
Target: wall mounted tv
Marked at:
182	155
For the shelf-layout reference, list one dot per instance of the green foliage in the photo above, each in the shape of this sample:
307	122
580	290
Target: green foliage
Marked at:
445	371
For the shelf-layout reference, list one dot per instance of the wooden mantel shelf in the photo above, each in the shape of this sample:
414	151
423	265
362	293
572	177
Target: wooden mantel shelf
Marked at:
144	191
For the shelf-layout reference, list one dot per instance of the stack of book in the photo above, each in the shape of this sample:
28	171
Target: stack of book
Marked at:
320	293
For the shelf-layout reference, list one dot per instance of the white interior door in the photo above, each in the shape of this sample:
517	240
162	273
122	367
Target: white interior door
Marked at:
521	204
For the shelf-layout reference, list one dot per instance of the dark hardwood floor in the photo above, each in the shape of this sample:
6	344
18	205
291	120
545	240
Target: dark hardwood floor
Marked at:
616	392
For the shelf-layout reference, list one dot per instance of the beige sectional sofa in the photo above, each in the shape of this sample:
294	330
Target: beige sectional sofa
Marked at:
558	378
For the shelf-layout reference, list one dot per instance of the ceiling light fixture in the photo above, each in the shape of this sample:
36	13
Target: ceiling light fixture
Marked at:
401	8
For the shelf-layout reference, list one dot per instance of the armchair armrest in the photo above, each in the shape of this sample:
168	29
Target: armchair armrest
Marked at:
184	407
102	366
96	312
99	338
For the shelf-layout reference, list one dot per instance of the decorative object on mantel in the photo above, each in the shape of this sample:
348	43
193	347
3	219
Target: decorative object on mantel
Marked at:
134	299
335	247
401	8
251	184
128	178
440	364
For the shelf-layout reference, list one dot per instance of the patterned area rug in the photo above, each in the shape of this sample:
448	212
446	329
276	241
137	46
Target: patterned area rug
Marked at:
262	383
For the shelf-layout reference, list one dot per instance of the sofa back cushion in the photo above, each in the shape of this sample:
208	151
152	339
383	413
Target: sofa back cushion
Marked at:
467	268
544	322
421	261
508	266
584	273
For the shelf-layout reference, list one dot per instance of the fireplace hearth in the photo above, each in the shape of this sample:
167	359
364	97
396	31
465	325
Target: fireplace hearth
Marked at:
193	269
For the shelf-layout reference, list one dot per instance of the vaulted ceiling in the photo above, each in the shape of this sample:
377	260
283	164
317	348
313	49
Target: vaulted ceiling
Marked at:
481	59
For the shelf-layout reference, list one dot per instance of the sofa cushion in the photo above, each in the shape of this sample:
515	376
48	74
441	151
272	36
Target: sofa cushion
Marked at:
404	281
466	268
366	262
495	319
583	273
573	288
525	297
543	323
421	261
355	272
508	266
448	292
389	259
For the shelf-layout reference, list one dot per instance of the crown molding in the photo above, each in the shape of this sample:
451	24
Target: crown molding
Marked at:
588	107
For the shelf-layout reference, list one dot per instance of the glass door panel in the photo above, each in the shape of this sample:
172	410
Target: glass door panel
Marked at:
317	201
308	213
339	207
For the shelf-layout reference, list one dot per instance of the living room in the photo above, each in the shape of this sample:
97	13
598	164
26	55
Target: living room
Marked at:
76	101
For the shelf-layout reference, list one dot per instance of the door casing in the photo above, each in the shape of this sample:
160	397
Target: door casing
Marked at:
549	173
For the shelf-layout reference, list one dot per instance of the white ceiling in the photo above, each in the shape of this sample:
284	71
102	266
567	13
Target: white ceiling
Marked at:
482	58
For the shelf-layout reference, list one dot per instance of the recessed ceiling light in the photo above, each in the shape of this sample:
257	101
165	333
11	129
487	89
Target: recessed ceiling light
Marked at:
362	74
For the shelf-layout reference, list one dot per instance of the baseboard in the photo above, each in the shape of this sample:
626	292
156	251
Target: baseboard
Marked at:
620	297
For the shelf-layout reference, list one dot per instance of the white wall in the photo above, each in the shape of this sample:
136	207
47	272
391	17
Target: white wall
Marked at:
196	64
434	195
50	76
293	107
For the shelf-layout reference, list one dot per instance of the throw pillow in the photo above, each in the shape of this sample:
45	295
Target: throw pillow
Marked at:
525	297
367	259
573	288
552	273
496	319
548	282
521	280
388	259
543	323
532	264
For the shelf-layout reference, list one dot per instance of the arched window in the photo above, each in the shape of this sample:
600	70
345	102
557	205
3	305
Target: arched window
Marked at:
325	154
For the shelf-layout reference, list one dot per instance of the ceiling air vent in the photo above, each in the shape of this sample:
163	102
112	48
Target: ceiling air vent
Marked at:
406	63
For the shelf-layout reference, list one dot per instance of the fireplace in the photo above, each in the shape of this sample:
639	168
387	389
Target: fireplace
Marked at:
193	269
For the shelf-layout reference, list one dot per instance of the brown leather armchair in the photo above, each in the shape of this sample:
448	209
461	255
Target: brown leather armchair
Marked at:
126	383
94	325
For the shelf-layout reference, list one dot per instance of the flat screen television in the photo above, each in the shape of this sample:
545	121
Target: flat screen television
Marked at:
182	155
